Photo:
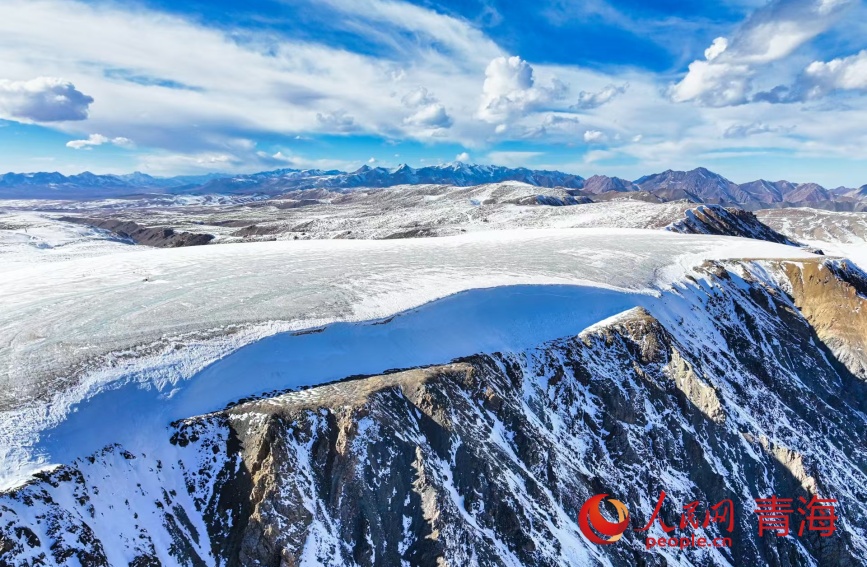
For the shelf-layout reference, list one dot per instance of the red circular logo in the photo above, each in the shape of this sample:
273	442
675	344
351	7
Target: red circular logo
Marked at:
591	516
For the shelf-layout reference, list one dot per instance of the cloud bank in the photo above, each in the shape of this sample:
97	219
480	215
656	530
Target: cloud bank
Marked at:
730	67
44	99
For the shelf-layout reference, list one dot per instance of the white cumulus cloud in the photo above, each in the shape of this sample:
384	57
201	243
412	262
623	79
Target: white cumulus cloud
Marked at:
338	121
714	82
594	136
510	90
44	99
427	111
98	140
463	156
716	48
588	100
753	129
418	96
844	73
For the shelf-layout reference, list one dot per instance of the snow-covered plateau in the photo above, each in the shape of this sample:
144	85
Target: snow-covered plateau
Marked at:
427	401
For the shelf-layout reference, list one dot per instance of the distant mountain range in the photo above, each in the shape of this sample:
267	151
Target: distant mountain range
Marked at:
704	186
457	173
699	185
88	185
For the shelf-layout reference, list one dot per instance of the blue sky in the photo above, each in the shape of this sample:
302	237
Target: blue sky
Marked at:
747	88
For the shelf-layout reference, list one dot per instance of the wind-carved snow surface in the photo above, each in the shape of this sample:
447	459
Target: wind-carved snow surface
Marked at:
113	348
836	233
816	226
27	238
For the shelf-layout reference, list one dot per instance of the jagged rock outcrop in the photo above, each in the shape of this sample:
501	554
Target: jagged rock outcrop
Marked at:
729	386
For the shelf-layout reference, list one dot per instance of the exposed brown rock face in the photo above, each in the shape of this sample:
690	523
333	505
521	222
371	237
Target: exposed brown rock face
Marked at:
487	460
833	297
160	237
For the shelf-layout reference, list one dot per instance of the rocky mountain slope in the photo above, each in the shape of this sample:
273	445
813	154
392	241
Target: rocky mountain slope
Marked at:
745	379
714	219
698	186
599	184
703	186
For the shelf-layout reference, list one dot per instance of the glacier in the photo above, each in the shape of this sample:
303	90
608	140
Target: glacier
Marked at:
146	322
